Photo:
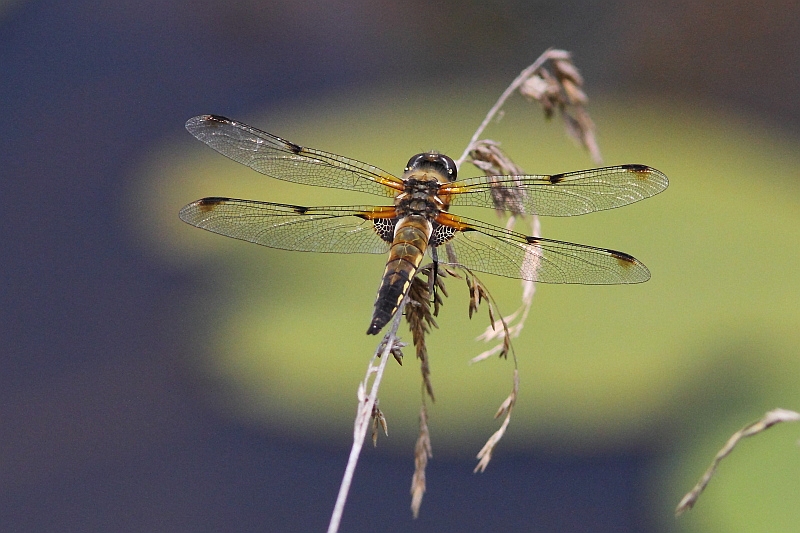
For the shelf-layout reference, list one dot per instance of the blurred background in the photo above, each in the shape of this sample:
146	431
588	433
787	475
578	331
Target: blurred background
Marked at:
155	377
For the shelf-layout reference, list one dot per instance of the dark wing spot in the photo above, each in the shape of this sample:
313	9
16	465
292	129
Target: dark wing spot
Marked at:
636	168
532	240
299	209
642	171
296	148
207	204
556	178
217	118
623	259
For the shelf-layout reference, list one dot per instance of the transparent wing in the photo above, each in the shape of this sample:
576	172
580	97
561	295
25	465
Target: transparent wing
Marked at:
284	160
572	193
494	250
333	229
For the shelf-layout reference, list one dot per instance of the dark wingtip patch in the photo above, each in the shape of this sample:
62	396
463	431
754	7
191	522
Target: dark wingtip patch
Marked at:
207	204
641	171
625	260
556	178
216	118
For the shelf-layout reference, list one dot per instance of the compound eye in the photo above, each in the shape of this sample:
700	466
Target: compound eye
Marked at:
415	162
450	167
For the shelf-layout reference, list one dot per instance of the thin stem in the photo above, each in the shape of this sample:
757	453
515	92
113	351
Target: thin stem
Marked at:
524	75
364	415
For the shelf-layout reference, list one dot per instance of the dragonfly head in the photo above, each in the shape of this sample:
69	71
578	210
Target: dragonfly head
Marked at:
435	161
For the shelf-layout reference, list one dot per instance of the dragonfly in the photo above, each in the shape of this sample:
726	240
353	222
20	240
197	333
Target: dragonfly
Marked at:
418	221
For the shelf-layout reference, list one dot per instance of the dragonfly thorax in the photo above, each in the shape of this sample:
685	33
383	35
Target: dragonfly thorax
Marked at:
419	196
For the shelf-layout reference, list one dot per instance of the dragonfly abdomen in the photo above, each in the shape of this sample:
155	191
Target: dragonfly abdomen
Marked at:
408	248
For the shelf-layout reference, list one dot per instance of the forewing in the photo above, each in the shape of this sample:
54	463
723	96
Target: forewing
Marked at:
572	193
494	250
334	229
284	160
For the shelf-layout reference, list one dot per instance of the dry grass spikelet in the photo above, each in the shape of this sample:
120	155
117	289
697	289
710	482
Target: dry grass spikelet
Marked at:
489	158
378	420
422	452
485	455
561	88
424	301
776	416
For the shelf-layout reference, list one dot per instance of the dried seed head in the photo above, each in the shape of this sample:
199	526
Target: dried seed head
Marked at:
378	420
562	89
534	87
544	88
419	316
575	95
487	156
397	353
422	452
485	455
555	54
566	70
767	421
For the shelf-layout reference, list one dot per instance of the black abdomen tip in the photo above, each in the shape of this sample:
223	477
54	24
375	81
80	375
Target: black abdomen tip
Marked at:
378	321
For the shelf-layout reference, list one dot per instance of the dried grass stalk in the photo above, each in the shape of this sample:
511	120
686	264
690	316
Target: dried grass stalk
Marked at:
366	405
771	418
558	88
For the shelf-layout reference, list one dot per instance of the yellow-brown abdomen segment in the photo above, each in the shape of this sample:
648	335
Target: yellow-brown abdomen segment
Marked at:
410	241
